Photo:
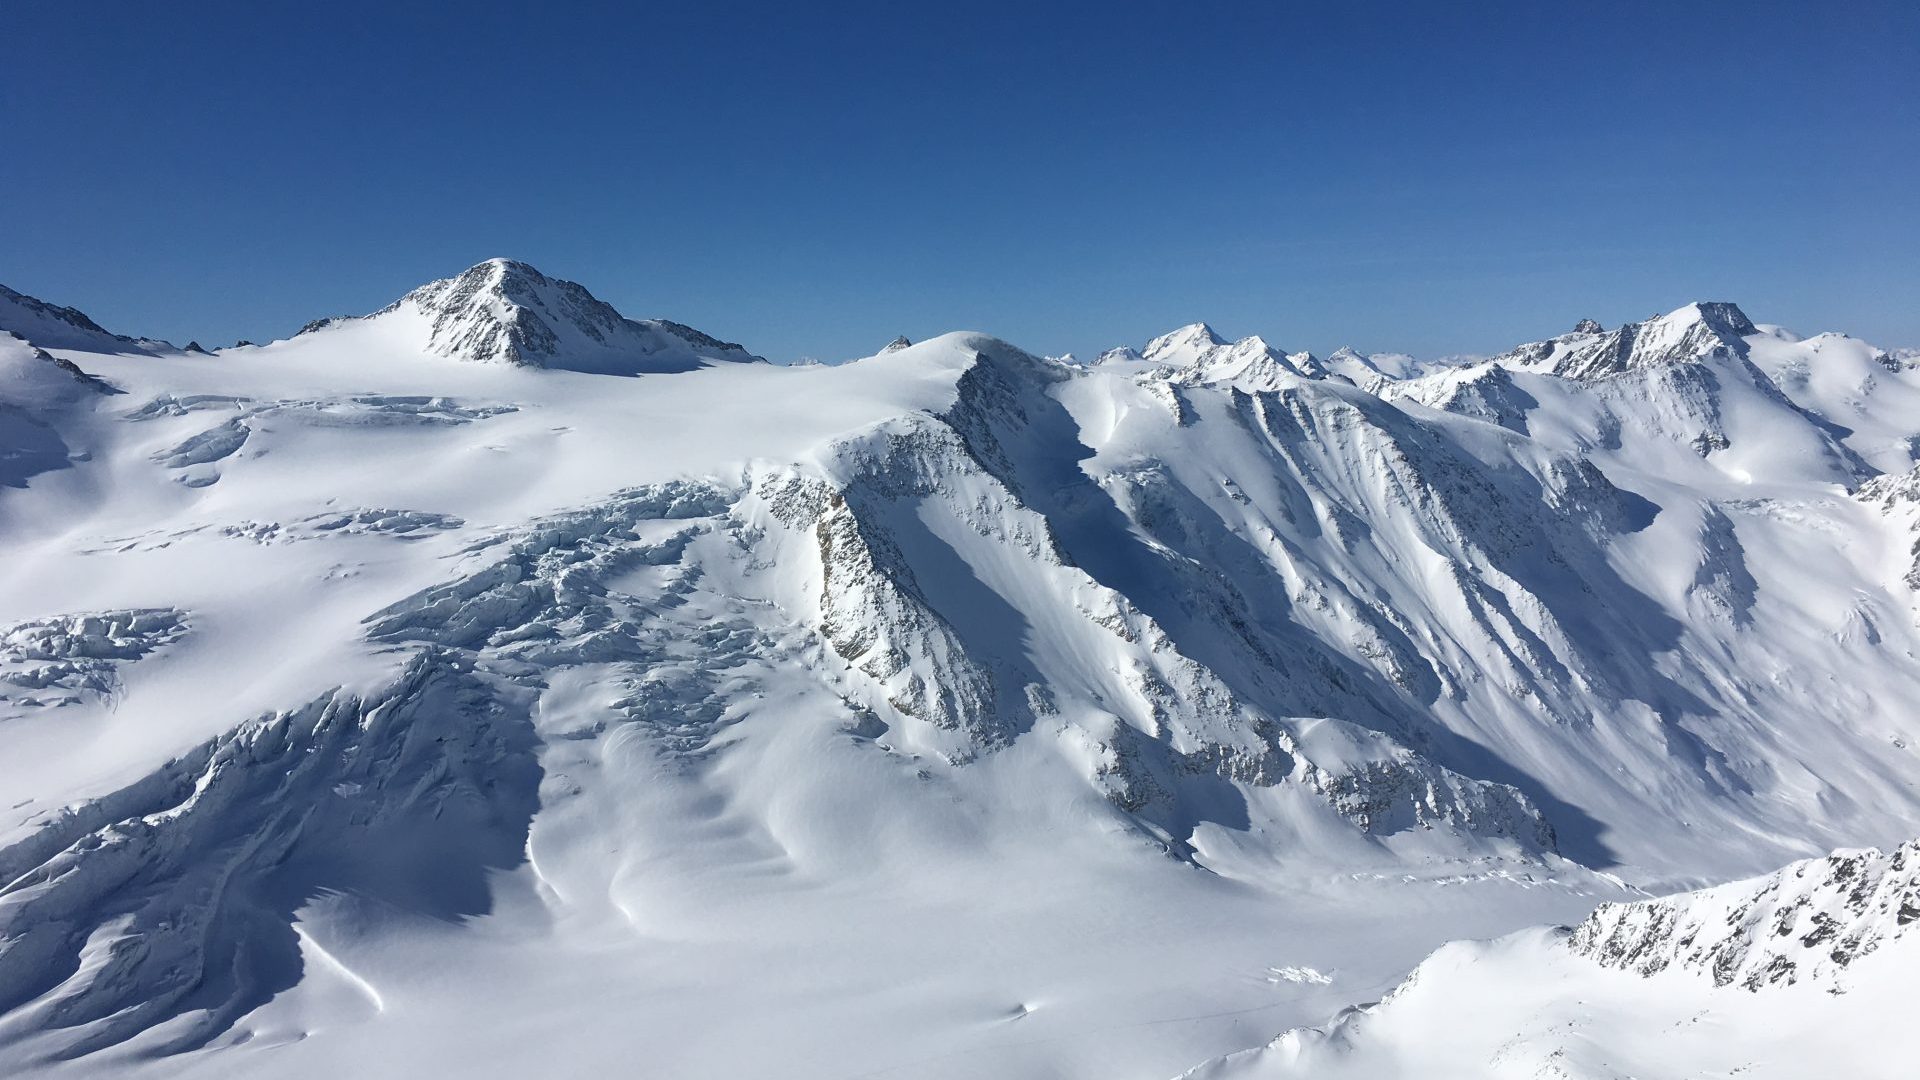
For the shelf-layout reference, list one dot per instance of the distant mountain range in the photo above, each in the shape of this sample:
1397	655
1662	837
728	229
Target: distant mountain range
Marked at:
498	685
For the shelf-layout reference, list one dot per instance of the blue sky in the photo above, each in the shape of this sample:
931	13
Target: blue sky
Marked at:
814	179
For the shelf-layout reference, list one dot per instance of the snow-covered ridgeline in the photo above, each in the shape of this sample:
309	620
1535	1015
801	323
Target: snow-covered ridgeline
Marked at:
1806	922
503	311
168	904
1790	972
1353	636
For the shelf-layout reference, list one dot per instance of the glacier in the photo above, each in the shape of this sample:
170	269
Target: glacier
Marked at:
496	684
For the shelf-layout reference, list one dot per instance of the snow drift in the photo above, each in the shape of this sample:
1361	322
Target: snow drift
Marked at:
373	698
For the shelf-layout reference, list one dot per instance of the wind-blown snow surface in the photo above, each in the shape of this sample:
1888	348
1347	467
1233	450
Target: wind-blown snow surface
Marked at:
412	696
1805	972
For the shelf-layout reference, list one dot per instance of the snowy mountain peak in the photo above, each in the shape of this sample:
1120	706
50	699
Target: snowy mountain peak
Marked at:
1694	332
1182	345
894	346
51	326
1725	318
664	676
1362	370
1195	355
506	311
1307	364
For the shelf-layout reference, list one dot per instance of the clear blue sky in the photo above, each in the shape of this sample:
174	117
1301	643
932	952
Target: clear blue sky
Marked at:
814	179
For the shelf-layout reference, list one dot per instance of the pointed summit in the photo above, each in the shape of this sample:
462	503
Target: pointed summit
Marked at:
1695	332
505	311
1184	345
901	342
1194	354
1726	318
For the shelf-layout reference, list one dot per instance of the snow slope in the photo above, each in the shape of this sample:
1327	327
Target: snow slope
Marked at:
1805	972
52	326
503	311
410	695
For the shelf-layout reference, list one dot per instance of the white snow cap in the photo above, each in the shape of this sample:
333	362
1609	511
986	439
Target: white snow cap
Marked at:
1184	345
1692	332
1196	354
504	311
51	326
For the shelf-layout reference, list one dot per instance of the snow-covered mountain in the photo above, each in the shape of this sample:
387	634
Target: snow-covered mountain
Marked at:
1195	354
51	326
950	712
1804	972
503	311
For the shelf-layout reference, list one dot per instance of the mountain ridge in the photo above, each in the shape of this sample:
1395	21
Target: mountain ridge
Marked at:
505	311
1201	687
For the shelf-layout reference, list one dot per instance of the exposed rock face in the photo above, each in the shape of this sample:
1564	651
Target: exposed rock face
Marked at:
1486	391
1196	355
1898	498
51	326
1765	975
1485	624
507	312
1695	332
1807	922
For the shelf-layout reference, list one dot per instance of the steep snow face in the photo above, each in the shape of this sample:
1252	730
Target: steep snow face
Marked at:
1365	371
51	326
998	465
1662	396
1183	347
684	710
40	381
503	311
1804	972
1897	498
1195	354
1870	395
1809	922
38	386
1695	332
658	678
1502	582
165	906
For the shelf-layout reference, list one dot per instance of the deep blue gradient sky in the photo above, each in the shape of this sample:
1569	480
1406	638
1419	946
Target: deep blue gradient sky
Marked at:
814	179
